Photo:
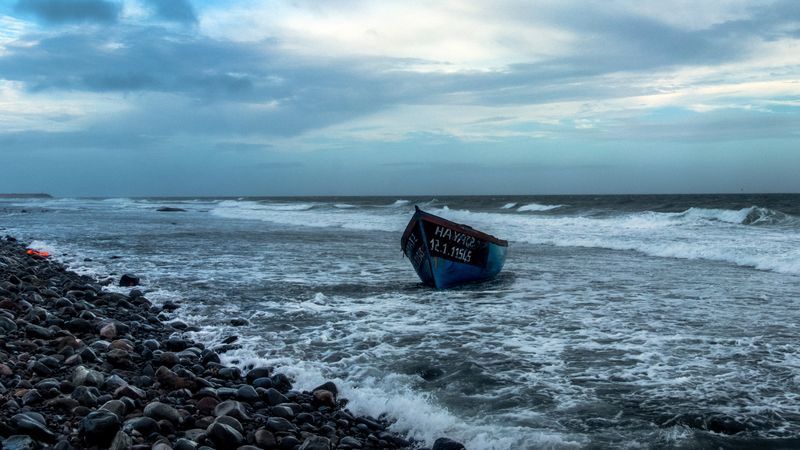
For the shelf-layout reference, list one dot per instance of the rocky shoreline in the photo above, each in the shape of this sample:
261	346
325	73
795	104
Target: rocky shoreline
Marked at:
81	367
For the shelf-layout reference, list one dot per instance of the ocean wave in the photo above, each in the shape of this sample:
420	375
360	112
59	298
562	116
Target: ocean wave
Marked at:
536	207
696	233
398	203
754	215
308	214
509	205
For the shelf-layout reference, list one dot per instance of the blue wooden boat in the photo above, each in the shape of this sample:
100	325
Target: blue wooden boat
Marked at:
447	254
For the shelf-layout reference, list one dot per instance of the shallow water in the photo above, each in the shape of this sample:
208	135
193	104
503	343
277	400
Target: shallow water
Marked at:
638	322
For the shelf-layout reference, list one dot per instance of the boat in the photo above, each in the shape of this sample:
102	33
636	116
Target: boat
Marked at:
446	254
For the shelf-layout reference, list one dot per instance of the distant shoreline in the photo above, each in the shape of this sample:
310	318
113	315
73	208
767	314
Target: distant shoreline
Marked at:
40	195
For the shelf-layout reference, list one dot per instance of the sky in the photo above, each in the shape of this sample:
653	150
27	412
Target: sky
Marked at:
350	97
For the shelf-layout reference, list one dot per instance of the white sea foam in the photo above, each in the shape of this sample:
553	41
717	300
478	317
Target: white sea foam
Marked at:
509	205
306	215
537	207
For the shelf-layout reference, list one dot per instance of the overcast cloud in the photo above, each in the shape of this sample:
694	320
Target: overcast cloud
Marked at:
162	97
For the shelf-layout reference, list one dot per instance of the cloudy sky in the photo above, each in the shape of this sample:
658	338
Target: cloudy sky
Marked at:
304	97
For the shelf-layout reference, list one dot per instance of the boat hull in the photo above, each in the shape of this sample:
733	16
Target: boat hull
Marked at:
446	254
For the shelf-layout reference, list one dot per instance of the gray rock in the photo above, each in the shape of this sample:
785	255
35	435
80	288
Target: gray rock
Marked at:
282	411
280	425
19	443
228	420
121	441
329	386
84	395
99	427
185	444
265	439
33	425
224	436
231	408
447	444
143	425
158	410
128	280
7	325
115	406
246	393
130	391
350	442
273	397
31	397
36	331
316	443
83	376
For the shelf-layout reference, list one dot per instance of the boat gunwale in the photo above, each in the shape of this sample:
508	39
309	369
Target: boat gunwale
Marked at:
422	215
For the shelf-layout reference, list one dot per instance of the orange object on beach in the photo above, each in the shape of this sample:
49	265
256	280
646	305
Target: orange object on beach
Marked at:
38	253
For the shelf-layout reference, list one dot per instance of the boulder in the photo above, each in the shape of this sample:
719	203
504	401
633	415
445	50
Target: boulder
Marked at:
128	280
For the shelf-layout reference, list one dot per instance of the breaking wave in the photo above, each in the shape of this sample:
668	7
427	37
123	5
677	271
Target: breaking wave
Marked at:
536	207
739	237
753	215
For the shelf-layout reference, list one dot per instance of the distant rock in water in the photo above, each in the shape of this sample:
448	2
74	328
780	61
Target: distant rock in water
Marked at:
128	280
170	209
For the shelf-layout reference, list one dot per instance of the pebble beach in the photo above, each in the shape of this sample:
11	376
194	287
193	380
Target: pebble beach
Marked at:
82	367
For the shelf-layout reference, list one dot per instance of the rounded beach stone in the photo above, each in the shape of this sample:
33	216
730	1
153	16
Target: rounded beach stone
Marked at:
128	280
158	410
228	420
33	425
121	441
224	436
19	442
246	393
115	406
143	425
231	408
350	442
265	439
280	425
316	443
99	427
206	405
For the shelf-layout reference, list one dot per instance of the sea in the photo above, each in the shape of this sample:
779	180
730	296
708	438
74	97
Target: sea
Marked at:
638	322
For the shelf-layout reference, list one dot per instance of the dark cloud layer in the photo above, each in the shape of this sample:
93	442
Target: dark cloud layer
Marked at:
66	11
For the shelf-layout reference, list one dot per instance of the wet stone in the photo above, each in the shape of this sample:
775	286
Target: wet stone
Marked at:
32	424
121	441
224	436
19	442
280	425
144	425
158	410
316	443
185	444
273	397
350	442
282	411
99	427
447	444
231	408
85	395
246	393
265	439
